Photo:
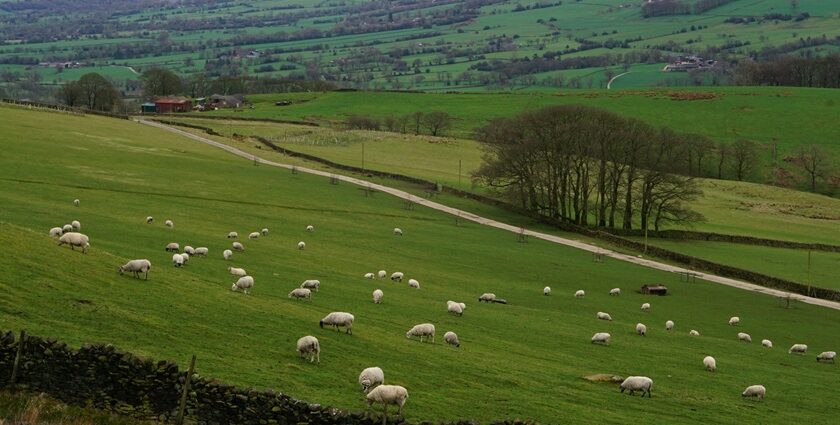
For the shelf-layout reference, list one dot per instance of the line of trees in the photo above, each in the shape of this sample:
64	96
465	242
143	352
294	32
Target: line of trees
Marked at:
435	123
792	71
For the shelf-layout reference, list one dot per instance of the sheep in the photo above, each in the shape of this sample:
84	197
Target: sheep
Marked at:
237	271
311	284
189	250
201	251
603	316
75	239
301	245
238	246
136	267
264	231
387	394
451	338
641	329
149	219
601	337
254	235
301	293
381	274
766	343
413	283
615	291
798	348
487	297
369	275
547	290
310	228
56	231
827	356
423	330
169	223
637	383
245	283
646	307
454	308
177	260
67	228
669	325
755	391
377	296
186	257
233	235
173	246
227	254
308	347
397	276
397	231
744	337
76	202
580	293
734	321
694	333
370	378
710	363
76	225
338	319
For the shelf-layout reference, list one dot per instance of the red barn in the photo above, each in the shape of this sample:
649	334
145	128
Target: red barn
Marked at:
167	105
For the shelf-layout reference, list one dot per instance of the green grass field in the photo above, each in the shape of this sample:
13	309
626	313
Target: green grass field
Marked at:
525	359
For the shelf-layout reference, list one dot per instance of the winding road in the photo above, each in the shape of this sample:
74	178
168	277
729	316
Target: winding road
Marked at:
503	226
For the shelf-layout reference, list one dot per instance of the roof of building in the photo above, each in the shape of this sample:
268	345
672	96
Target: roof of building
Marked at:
171	100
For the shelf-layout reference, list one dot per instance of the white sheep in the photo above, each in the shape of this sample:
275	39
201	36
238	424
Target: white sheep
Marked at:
454	308
487	297
798	348
370	378
413	283
245	283
264	231
744	337
381	274
734	321
76	202
377	296
75	239
669	325
601	337
338	319
310	228
766	343
233	235
547	290
169	223
311	284
397	231
201	251
423	330
301	293
227	254
186	258
177	260
641	329
615	291
397	276
580	293
308	347
136	267
827	356
149	219
603	316
254	235
237	271
755	391
189	250
710	363
369	275
238	246
387	394
646	307
76	225
451	338
56	231
637	383
172	246
301	245
694	333
67	228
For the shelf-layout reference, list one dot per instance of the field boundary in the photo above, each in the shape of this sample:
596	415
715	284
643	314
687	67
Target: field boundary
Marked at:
61	108
723	237
721	274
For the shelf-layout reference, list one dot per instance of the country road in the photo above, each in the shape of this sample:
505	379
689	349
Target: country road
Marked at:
503	226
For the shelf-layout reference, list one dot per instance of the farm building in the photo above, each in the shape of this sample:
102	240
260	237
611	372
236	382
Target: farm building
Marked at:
166	105
654	290
225	101
148	108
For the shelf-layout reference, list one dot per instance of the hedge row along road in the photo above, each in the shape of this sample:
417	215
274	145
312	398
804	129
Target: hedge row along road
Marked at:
499	225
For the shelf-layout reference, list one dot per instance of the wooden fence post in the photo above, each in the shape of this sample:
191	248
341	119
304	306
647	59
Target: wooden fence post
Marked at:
179	420
16	365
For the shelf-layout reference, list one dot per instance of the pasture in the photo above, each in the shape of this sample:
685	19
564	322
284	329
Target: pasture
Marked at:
525	359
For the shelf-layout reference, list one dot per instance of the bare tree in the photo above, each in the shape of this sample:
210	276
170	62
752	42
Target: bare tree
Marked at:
744	158
438	122
814	161
722	155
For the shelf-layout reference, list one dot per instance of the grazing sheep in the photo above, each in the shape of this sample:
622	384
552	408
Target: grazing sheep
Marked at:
451	338
233	235
56	231
547	290
227	254
186	258
397	276
173	246
397	231
67	228
189	250
238	246
755	391
487	297
338	319
381	274
76	225
264	231
603	316
454	308
601	337
637	383
798	348
201	251
615	291
75	239
387	394
827	356
169	223
149	219
310	228
308	347
254	235
177	260
744	337
669	325
245	283
734	321
369	275
694	333
311	284
646	307
423	330
377	296
301	293
641	329
76	202
710	363
580	293
370	378
237	271
766	343
301	245
413	283
136	267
